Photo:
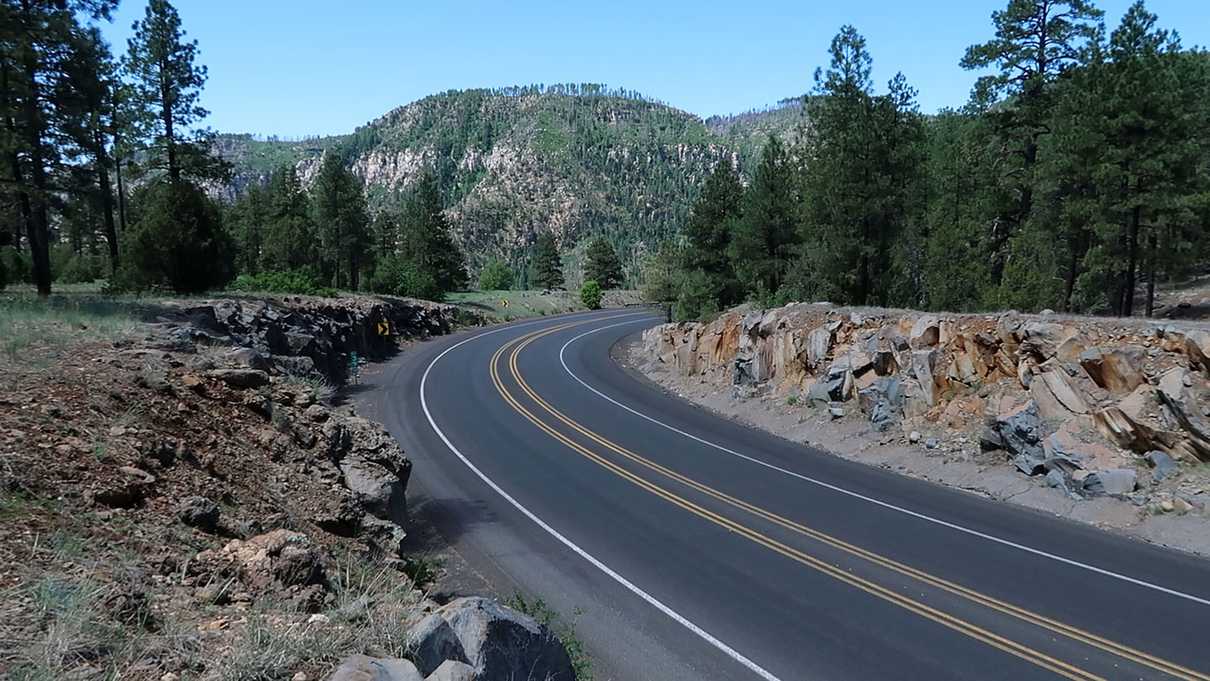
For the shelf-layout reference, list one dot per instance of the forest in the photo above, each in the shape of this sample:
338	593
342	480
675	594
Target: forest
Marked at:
1076	178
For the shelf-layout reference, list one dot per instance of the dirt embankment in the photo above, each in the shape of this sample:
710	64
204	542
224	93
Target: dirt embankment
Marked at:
187	499
1101	420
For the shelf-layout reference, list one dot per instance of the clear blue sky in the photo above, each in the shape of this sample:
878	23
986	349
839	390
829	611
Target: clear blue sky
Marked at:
317	67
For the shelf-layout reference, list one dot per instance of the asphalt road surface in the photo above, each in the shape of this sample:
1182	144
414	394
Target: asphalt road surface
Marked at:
686	546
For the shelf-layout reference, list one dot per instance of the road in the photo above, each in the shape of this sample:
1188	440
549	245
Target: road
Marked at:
693	547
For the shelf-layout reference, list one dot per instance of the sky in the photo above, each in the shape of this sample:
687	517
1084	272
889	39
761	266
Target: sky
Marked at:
310	67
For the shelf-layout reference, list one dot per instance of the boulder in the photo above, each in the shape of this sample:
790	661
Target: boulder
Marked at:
365	668
1057	383
1042	339
240	378
1115	371
923	364
1175	393
199	512
882	402
250	358
1162	465
1020	429
926	332
433	641
1197	347
819	344
1111	482
496	641
451	670
276	559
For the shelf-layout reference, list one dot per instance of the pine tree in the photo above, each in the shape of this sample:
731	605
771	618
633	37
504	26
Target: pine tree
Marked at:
546	267
709	280
763	244
88	87
290	239
602	264
1036	41
1150	171
339	212
165	87
426	239
39	37
863	169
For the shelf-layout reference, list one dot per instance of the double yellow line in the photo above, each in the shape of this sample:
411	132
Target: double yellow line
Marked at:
974	631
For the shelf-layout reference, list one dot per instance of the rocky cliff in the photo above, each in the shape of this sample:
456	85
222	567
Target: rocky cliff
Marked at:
1094	406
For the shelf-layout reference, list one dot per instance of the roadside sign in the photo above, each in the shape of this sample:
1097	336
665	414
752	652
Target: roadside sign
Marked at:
384	328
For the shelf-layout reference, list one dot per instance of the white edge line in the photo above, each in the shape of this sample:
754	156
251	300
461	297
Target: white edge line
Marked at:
726	649
857	495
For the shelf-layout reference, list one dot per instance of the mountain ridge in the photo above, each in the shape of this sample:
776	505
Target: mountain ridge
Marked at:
575	160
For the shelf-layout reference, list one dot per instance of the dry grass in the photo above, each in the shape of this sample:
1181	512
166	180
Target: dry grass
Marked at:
34	332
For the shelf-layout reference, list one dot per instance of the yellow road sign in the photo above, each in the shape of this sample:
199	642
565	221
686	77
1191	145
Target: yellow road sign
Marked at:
384	328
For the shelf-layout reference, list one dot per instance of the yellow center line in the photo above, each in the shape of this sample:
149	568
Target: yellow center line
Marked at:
990	638
1075	633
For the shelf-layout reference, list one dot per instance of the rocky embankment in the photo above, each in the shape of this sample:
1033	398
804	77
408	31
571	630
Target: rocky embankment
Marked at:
1090	407
189	503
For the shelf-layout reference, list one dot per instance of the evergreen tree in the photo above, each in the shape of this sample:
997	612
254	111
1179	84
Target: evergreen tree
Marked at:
602	264
176	241
1036	41
546	267
709	282
426	238
339	212
289	239
861	182
38	41
659	273
763	244
166	86
1151	169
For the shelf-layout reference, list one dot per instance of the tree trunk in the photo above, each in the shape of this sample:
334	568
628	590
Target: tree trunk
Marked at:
1132	260
174	170
117	169
1151	256
39	227
111	232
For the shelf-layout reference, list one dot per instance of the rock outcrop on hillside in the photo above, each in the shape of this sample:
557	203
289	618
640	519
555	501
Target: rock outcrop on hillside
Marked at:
188	502
299	334
1093	406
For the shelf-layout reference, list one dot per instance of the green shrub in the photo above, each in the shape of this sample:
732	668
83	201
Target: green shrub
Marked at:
177	242
69	267
590	295
300	282
19	265
496	276
399	277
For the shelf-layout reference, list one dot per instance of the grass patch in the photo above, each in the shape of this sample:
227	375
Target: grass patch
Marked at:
540	611
319	388
373	605
32	329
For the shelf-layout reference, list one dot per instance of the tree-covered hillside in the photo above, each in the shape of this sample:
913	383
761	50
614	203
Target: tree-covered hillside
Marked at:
575	160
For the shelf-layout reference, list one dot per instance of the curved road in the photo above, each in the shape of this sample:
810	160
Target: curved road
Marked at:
696	548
